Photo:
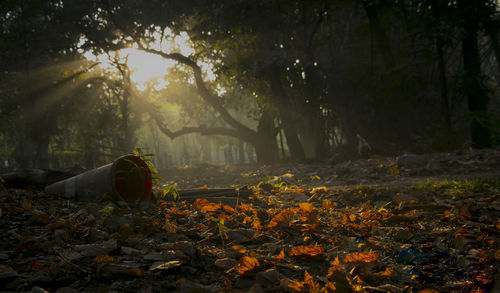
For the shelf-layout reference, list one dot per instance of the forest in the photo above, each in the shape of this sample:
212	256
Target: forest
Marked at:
291	145
244	82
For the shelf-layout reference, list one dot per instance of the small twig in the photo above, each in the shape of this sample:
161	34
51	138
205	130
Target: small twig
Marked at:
69	262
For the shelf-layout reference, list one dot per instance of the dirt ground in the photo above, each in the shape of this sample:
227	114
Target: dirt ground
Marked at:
414	223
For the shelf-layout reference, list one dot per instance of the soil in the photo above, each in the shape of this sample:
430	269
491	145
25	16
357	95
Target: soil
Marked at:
414	223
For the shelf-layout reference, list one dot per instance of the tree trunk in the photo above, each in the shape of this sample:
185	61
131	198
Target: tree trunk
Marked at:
445	108
265	143
378	31
492	32
477	96
288	120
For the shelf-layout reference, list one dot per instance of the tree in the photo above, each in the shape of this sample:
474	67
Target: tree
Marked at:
473	12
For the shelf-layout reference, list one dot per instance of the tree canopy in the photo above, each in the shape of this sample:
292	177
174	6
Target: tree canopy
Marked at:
297	80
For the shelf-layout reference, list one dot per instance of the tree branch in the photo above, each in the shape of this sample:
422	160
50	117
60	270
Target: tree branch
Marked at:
240	130
202	89
202	129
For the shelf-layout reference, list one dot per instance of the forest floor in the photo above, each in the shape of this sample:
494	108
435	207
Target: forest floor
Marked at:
415	223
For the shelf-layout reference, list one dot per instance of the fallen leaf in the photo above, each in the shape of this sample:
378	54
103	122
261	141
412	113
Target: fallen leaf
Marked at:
365	257
281	218
206	206
27	204
165	265
239	249
100	259
387	273
306	207
247	265
307	251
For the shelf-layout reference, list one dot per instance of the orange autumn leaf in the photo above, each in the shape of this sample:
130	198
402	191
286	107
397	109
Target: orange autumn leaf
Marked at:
309	282
256	224
336	261
344	219
204	187
200	202
283	216
246	220
328	205
330	286
335	267
281	255
178	212
296	285
312	221
365	257
227	208
307	251
306	207
428	290
245	208
223	217
387	273
239	248
246	265
227	283
300	191
100	259
352	217
206	206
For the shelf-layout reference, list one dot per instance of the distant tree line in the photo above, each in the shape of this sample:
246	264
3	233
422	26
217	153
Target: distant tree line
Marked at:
311	76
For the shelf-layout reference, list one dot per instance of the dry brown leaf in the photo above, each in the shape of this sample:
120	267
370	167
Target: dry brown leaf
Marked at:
256	224
387	273
247	264
306	207
100	259
282	217
364	257
206	206
307	251
27	204
239	249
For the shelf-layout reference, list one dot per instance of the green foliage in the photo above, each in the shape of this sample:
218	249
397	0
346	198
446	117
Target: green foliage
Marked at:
221	228
455	188
172	190
147	158
362	190
461	188
107	211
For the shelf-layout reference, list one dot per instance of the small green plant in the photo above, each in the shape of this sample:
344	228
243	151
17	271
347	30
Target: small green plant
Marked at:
459	188
107	211
220	228
362	190
151	166
171	189
314	177
425	185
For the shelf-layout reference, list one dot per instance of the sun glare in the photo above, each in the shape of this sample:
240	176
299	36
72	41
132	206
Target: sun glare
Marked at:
146	66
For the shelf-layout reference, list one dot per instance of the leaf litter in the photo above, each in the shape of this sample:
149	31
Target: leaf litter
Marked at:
395	230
